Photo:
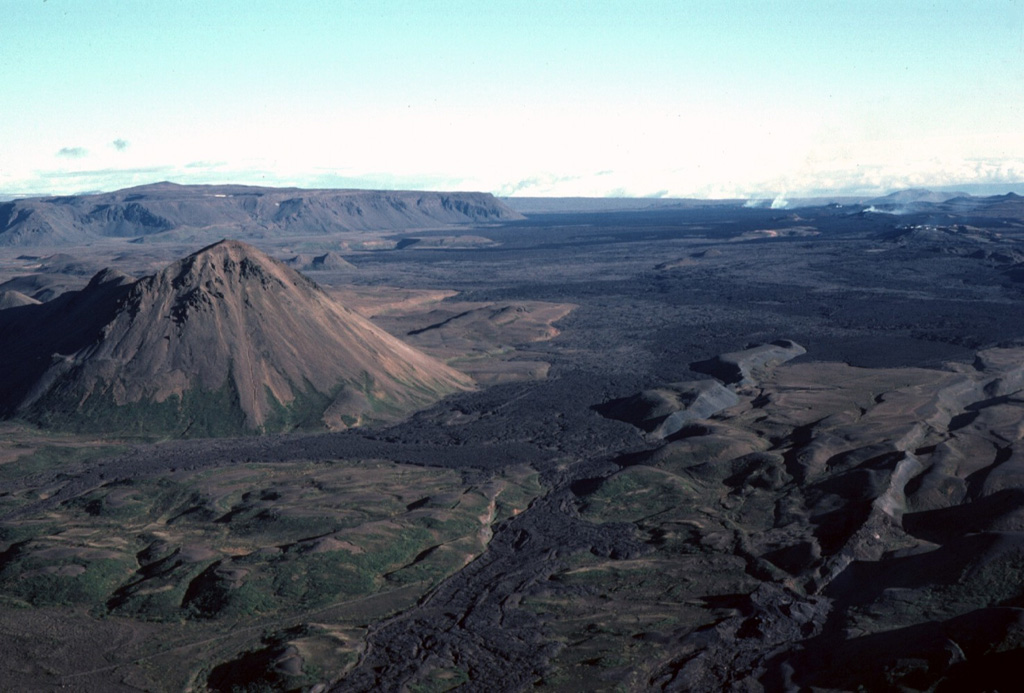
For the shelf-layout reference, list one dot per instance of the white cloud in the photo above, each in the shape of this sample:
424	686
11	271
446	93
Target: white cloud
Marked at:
695	150
72	152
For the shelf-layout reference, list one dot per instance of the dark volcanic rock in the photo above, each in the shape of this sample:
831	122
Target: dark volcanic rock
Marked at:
744	367
473	619
664	411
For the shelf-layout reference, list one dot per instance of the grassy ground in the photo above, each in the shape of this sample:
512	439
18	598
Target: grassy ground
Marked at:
270	569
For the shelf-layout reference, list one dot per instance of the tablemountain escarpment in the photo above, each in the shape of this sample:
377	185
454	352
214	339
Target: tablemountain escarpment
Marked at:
166	210
226	340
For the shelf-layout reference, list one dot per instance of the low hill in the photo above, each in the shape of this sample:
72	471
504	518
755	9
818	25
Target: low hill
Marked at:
150	211
15	299
913	195
329	261
223	341
1009	206
939	207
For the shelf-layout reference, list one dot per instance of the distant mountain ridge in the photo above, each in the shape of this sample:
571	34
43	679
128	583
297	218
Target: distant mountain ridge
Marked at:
902	197
1008	206
898	202
236	210
224	341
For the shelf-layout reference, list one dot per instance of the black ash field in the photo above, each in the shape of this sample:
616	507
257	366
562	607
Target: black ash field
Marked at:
688	447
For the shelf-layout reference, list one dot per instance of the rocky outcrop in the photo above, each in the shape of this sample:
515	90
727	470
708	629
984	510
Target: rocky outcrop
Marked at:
743	368
663	411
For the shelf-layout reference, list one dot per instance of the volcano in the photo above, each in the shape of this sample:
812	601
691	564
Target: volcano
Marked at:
225	340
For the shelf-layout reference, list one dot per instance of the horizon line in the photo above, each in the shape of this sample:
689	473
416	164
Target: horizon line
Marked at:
972	189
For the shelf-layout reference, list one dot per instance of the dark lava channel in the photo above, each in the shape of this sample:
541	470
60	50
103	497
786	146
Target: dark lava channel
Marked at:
472	619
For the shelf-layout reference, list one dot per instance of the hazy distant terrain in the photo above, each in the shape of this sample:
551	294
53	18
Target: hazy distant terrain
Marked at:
165	210
684	446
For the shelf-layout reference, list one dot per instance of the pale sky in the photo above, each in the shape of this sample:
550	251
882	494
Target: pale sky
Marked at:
699	98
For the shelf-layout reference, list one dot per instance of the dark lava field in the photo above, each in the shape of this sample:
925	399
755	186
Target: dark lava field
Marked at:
775	450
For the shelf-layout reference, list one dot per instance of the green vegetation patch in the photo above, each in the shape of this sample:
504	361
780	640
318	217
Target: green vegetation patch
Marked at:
219	555
157	592
61	578
193	414
304	412
19	532
615	616
523	488
707	450
635	493
276	666
50	457
431	564
440	680
124	504
285	525
301	576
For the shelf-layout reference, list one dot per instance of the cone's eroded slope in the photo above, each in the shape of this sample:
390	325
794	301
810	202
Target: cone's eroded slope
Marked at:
232	334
